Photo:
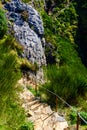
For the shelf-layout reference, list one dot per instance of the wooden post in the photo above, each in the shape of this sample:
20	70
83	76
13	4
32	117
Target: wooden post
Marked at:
77	125
56	103
36	83
36	89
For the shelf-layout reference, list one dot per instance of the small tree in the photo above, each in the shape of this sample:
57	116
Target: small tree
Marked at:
3	23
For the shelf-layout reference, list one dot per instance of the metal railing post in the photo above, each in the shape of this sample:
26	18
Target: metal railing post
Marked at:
56	103
36	89
78	119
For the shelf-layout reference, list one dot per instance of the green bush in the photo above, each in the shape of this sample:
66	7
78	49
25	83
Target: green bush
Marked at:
3	23
66	83
73	117
27	126
62	23
84	116
69	78
12	116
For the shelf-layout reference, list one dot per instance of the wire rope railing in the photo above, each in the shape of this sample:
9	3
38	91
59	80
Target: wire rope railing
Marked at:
78	114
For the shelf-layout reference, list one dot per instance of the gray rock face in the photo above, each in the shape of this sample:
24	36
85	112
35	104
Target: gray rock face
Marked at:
32	44
28	32
15	7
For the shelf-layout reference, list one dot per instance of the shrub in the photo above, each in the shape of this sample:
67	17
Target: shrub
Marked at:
12	116
69	80
73	117
3	23
84	116
10	110
27	126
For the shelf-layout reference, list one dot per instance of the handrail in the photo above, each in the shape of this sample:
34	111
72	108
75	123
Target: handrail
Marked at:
82	118
73	109
60	99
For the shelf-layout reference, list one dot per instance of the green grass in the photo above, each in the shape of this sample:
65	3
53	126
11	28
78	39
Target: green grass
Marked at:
69	80
12	116
3	23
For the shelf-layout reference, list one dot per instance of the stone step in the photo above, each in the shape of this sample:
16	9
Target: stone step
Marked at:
35	106
35	117
31	119
42	115
38	125
58	118
26	96
46	110
48	116
29	100
38	108
32	102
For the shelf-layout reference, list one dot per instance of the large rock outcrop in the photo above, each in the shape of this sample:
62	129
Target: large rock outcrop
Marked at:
28	30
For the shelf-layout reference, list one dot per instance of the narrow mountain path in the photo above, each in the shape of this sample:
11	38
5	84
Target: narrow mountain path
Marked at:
41	114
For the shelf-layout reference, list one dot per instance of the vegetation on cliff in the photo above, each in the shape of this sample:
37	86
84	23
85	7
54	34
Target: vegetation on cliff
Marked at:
3	24
61	26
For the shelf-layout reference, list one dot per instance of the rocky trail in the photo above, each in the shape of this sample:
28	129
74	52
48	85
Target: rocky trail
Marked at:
40	113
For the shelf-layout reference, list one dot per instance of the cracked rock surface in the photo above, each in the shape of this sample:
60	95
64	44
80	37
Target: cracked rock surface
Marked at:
28	30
